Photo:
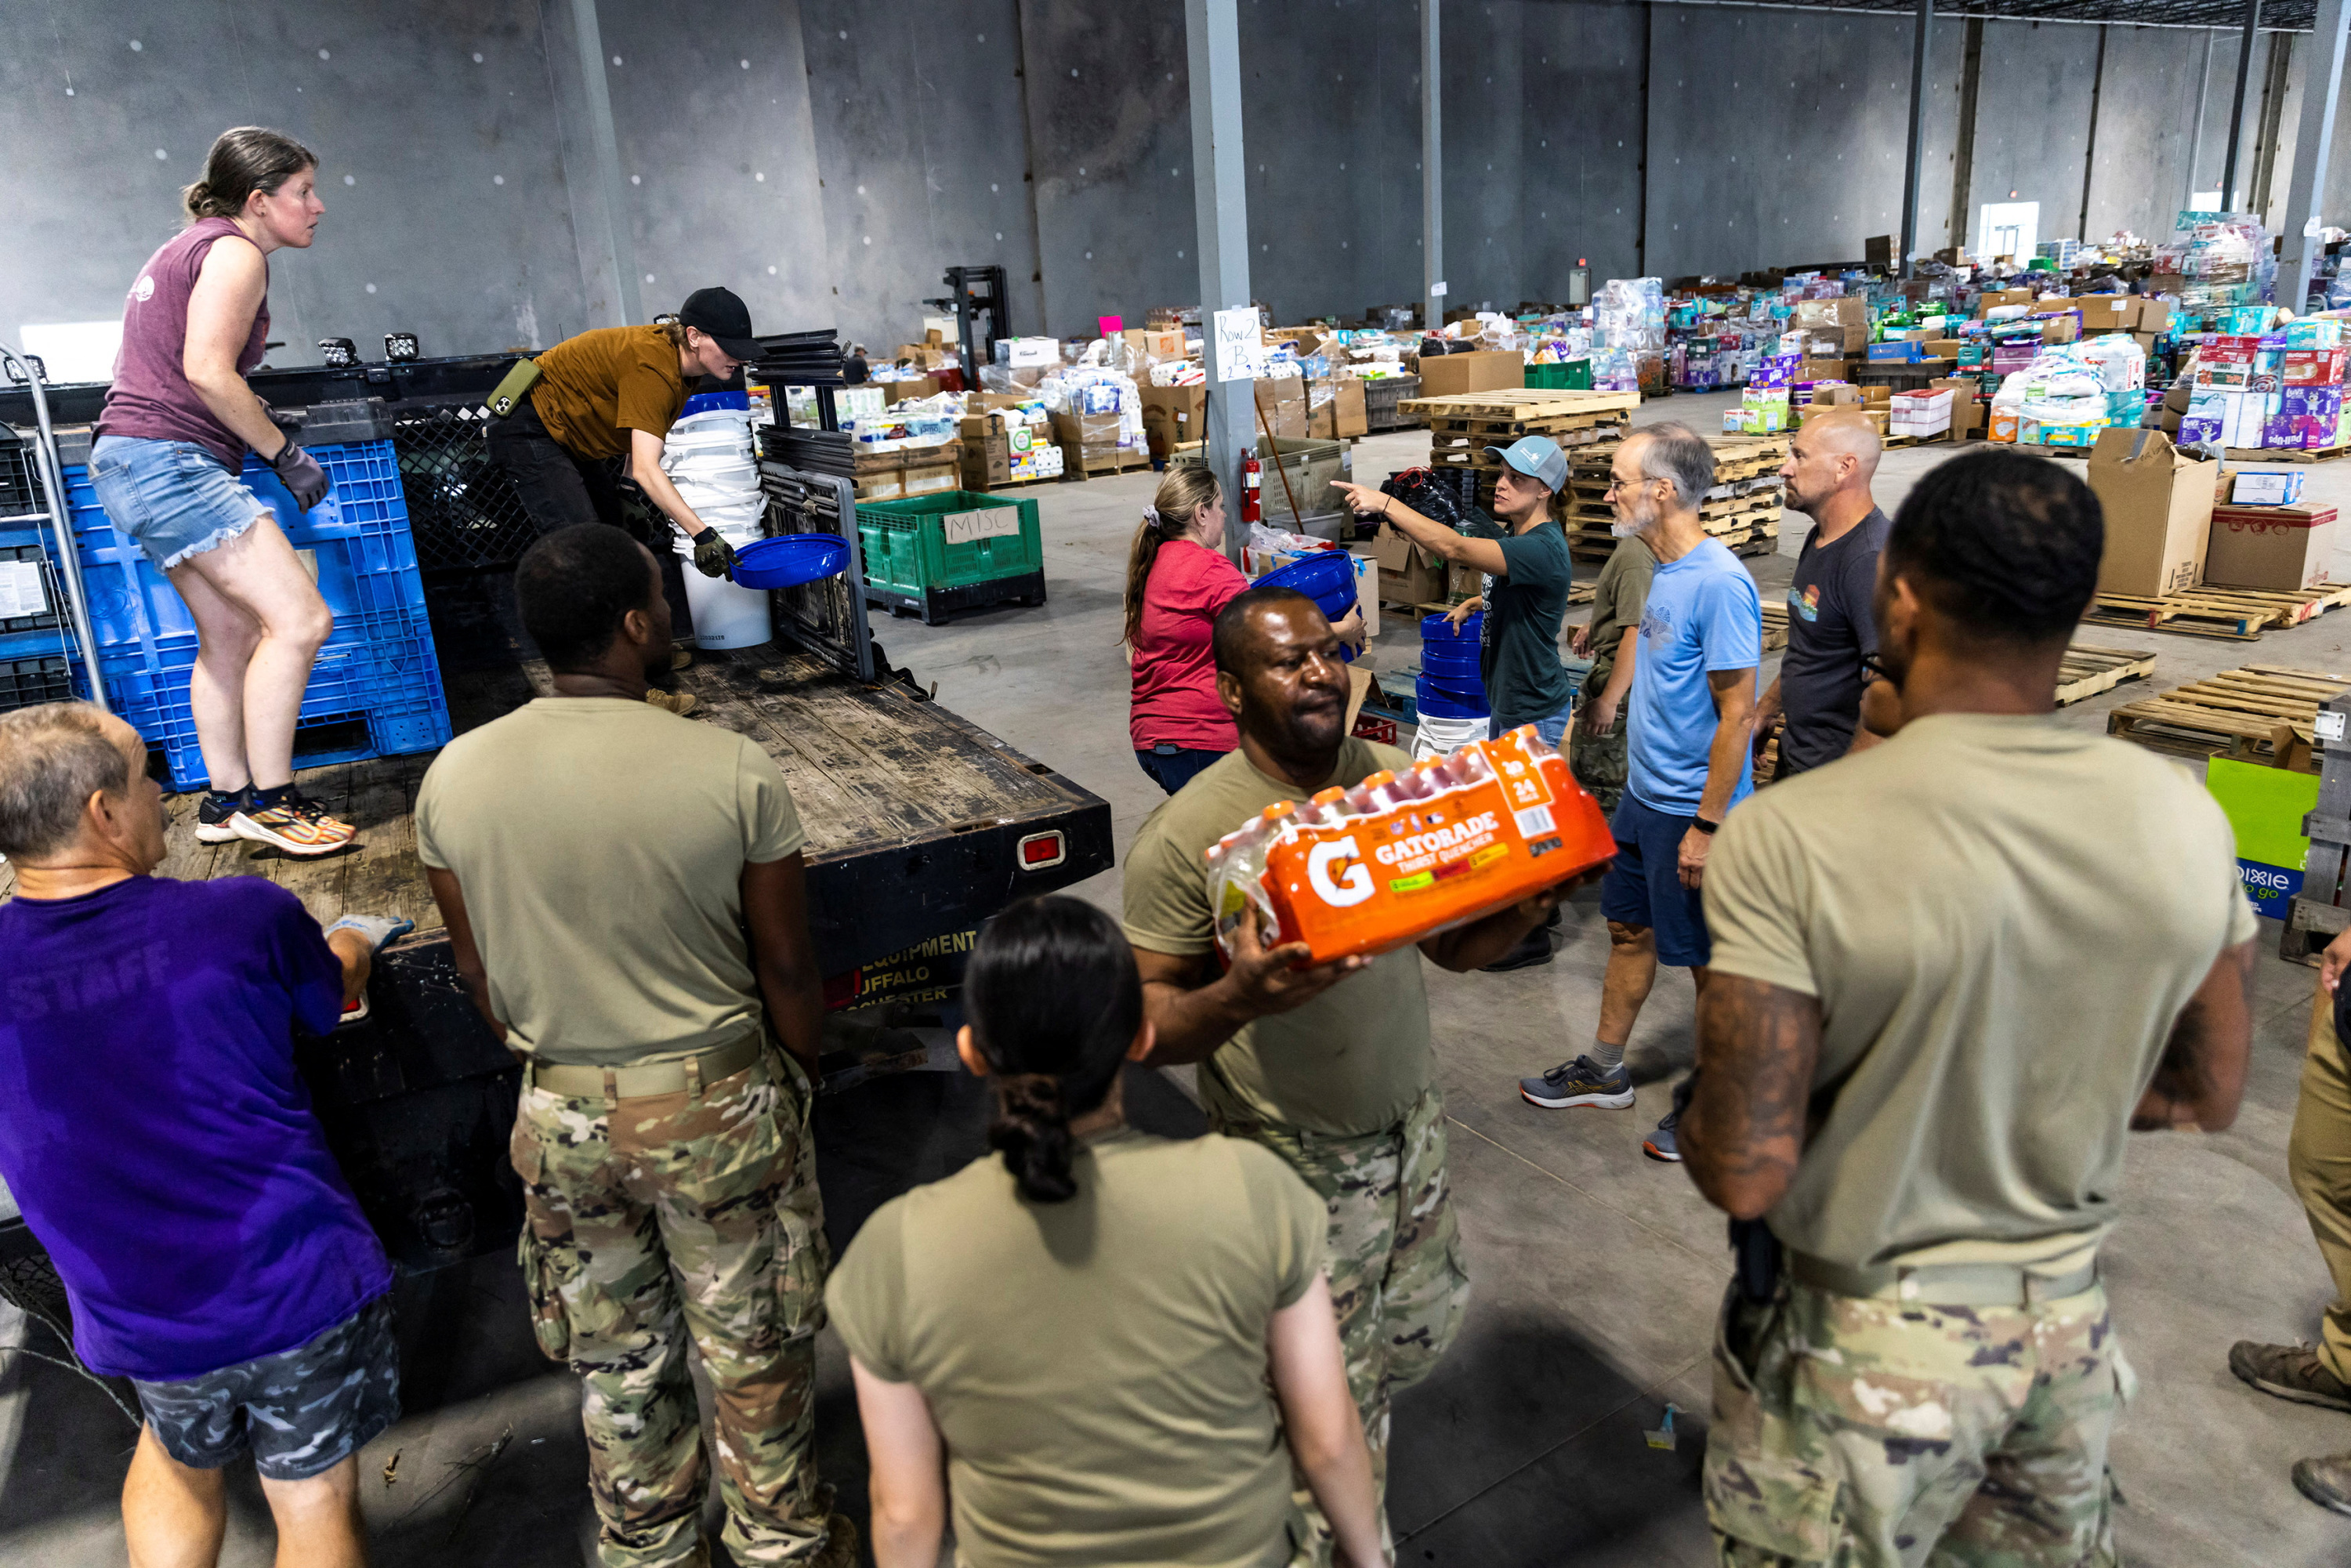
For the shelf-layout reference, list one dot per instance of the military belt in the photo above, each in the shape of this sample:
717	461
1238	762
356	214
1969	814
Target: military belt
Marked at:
1943	1284
688	1077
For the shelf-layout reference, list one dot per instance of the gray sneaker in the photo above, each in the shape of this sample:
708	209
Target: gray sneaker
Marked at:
1662	1143
2289	1371
1579	1082
2325	1481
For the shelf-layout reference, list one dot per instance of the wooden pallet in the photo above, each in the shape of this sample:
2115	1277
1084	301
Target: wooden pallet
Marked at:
2287	454
1520	411
1120	463
2262	713
1581	591
1775	623
1469	451
2087	670
1940	437
2238	614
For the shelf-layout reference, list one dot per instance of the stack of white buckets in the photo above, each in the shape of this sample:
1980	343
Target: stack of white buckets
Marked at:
710	459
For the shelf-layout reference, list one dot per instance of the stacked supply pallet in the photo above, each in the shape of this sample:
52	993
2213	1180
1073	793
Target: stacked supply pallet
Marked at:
375	687
1742	510
1461	426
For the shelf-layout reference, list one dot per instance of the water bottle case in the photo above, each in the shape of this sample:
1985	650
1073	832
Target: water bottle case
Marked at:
1401	857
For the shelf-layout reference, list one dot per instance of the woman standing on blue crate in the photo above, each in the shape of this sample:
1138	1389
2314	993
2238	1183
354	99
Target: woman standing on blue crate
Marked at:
171	441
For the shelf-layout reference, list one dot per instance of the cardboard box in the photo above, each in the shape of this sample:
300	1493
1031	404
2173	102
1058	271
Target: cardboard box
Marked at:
2281	548
2107	312
899	392
1996	297
888	485
2154	316
1447	375
986	441
1086	438
1408	575
1334	409
1152	345
1281	404
2260	487
2158	509
1367	588
1817	369
929	478
2067	329
1173	417
1944	347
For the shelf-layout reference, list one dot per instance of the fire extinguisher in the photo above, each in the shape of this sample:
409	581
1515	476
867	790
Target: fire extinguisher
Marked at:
1252	478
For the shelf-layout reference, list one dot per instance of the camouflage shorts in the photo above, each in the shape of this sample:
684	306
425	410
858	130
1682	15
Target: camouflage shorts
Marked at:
301	1411
1398	1283
1872	1434
670	1218
1599	762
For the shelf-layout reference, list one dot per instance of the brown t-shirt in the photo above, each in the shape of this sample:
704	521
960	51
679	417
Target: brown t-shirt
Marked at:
595	388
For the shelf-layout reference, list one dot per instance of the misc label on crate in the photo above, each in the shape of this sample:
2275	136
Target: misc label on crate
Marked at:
987	523
2327	725
22	591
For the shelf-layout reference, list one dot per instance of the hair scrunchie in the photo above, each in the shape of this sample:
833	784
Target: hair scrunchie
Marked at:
1151	515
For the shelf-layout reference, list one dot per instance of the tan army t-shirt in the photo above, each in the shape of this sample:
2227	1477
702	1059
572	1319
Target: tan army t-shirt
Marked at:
1351	1061
2001	919
1098	1367
601	845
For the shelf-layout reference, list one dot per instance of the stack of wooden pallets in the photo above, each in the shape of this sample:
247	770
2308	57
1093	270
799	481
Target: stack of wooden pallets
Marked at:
2087	670
2236	615
1463	424
1742	510
2262	713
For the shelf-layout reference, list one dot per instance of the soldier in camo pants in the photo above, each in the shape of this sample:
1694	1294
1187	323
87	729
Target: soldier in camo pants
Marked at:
1849	1430
1397	1284
669	1216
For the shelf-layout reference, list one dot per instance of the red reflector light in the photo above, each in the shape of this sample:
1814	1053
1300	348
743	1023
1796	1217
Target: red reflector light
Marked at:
1039	851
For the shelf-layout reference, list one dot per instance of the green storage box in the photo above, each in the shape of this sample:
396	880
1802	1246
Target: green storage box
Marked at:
956	550
1575	375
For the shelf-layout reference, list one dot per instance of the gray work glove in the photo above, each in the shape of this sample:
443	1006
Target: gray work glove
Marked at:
289	421
301	474
713	555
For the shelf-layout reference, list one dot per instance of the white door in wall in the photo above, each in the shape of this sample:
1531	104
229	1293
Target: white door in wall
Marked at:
2008	228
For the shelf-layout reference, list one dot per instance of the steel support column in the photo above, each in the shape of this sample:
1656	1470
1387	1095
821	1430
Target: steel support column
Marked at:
2237	105
591	39
1925	30
1220	203
1963	156
2090	147
1432	171
2322	88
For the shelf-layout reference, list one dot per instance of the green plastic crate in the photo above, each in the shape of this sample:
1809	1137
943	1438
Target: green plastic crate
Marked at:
1575	375
907	548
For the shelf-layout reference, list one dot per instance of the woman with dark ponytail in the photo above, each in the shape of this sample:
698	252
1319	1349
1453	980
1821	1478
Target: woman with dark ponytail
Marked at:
1080	1328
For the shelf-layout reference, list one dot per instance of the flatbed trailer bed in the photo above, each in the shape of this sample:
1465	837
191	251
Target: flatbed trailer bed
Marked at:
916	819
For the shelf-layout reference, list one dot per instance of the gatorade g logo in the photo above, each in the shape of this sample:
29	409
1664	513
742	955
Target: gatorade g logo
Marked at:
1352	888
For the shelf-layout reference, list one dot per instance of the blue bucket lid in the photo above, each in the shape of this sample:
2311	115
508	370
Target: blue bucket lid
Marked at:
1327	577
705	403
789	560
1436	703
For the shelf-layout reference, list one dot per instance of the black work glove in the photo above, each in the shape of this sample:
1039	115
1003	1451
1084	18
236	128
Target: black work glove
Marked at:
713	555
301	474
289	421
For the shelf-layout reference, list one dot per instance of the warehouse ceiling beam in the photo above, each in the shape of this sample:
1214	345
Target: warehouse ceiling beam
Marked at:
2321	87
2237	105
1431	173
618	242
1212	36
2282	16
1923	31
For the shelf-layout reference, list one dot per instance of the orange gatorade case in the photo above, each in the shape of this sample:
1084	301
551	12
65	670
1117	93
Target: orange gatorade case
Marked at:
1403	856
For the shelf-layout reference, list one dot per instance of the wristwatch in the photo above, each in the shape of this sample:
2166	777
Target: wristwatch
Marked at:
1703	826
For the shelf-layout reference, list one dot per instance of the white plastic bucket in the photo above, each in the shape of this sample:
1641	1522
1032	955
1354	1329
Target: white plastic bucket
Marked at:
725	614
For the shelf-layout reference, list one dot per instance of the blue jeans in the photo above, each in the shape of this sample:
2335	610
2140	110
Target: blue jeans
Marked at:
1553	729
172	497
1173	767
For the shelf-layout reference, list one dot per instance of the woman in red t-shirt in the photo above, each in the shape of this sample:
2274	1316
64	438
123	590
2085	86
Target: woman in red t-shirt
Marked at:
1178	579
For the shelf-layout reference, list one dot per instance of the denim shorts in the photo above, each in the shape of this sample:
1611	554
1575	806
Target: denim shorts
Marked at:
301	1411
172	497
1552	727
1643	885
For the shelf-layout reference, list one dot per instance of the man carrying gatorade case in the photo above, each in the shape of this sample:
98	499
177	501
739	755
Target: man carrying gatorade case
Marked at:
614	392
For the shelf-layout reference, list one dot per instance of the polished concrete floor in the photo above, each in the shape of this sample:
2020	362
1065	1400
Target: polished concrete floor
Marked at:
1597	1272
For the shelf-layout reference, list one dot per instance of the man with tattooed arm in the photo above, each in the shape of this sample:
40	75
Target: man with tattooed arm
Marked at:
1950	973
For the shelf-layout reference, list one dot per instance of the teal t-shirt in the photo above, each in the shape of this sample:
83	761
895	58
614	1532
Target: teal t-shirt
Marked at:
1524	679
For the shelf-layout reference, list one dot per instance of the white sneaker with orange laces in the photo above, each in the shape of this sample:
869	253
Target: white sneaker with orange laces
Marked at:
294	824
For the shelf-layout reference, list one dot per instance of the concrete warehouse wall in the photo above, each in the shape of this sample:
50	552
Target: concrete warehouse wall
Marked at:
830	160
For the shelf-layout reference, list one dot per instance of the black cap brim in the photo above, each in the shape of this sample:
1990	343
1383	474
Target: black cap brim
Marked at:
737	348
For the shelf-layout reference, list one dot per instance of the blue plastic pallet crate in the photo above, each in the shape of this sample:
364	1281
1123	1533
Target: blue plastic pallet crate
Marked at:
375	689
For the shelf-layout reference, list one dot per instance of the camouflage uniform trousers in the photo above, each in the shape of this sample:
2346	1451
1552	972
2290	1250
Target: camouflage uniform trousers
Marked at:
1598	761
1397	1284
1867	1433
664	1216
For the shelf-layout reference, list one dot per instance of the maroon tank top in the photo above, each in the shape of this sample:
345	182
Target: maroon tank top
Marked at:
151	398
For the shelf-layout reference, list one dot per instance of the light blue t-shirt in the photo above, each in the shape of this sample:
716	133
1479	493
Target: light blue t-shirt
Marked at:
1703	614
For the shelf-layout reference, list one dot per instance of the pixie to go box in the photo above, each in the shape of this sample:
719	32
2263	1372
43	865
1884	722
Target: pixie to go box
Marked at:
1401	857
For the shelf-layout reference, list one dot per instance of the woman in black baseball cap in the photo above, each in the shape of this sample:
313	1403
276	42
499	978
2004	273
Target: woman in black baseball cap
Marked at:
614	392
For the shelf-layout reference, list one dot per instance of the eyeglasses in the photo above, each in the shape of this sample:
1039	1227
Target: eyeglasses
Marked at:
1873	668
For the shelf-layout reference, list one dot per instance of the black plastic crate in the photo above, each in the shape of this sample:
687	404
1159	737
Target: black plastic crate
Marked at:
19	492
48	620
462	507
26	683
